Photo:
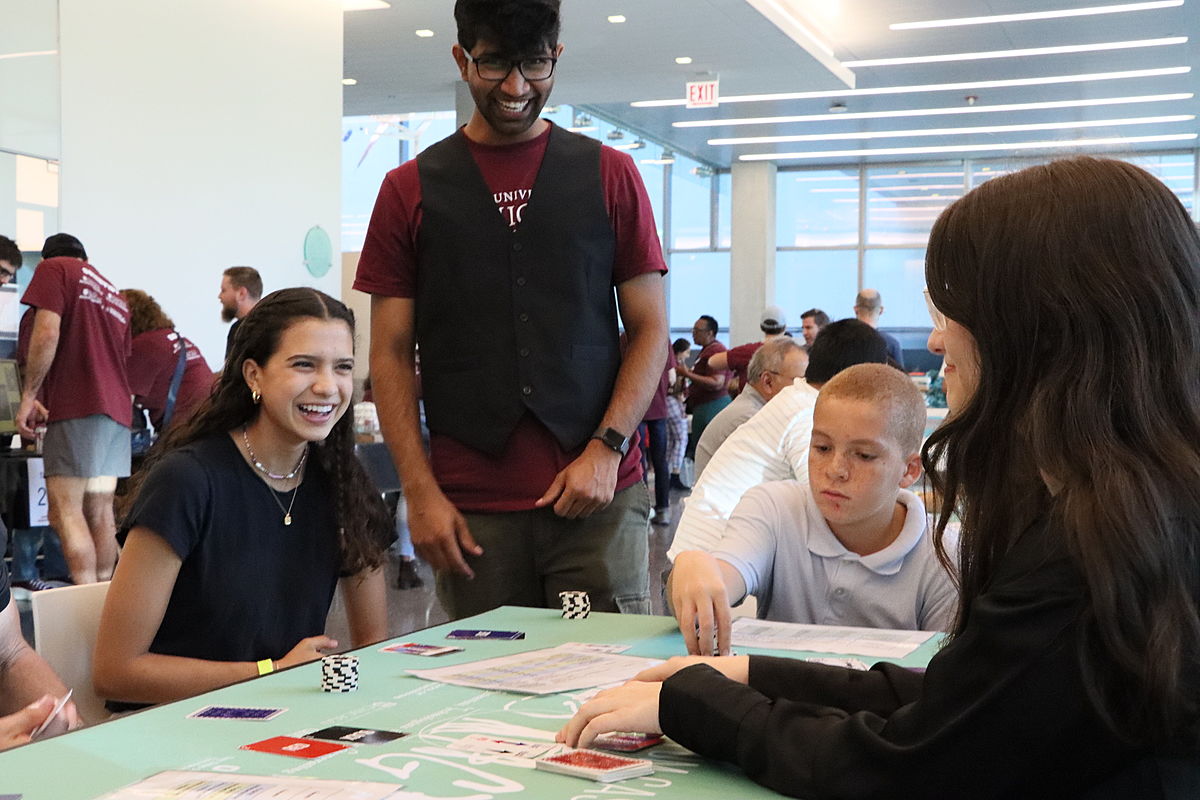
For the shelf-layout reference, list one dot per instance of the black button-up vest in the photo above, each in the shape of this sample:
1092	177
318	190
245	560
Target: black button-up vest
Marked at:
513	320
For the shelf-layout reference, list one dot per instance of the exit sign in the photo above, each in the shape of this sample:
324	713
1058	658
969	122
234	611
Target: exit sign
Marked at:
702	94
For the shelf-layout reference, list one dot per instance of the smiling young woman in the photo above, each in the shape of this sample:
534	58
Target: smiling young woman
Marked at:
233	547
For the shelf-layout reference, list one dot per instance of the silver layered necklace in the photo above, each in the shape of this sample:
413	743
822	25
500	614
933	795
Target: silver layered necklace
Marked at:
258	465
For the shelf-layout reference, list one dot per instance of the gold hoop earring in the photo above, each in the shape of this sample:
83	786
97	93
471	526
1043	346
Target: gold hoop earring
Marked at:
255	396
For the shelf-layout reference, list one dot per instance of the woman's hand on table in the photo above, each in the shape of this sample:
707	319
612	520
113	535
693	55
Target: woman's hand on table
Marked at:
306	650
736	668
632	707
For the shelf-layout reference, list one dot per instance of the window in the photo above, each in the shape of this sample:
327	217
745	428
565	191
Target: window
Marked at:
699	285
903	202
823	279
816	208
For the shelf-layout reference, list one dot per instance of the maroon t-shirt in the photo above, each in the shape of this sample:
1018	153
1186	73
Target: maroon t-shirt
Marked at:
738	359
88	374
151	367
471	479
698	395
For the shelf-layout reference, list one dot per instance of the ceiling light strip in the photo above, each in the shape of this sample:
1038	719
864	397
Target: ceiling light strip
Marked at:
1023	52
931	87
1031	16
932	112
971	148
968	131
28	54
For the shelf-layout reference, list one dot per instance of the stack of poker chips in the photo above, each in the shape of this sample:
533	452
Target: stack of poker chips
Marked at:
339	673
576	605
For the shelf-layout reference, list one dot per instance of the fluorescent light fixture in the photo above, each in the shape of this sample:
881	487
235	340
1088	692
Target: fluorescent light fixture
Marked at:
29	53
683	60
349	81
1036	15
1118	141
977	129
933	112
364	5
1022	52
583	128
617	19
659	161
931	87
424	33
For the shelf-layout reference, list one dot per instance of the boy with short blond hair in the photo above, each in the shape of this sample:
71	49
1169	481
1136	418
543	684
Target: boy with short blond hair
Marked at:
849	547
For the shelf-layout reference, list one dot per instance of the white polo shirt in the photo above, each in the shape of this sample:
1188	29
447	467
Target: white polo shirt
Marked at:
770	446
799	571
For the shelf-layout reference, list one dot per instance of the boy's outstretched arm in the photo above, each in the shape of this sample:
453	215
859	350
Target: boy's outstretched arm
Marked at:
699	591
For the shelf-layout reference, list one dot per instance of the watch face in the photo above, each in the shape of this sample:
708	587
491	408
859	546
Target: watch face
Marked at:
614	440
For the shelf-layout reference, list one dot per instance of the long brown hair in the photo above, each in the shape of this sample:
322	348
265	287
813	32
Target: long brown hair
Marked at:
1080	283
364	525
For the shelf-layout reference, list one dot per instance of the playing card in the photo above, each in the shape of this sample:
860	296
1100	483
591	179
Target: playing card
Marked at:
519	748
847	663
414	649
237	712
471	634
595	766
626	741
350	735
296	748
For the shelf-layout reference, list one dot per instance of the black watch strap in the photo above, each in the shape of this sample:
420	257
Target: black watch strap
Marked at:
613	439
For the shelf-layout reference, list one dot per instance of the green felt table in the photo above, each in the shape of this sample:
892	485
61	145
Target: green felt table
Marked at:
93	761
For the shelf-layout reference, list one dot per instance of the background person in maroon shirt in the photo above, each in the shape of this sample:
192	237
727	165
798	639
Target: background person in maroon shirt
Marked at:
77	353
154	358
706	395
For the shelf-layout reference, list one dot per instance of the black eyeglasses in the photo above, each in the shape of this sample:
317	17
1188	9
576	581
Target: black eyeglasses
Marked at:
494	68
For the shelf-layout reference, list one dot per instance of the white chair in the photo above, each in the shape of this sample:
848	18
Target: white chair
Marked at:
65	622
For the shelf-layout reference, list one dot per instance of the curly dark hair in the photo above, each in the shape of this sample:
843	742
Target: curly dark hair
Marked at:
516	26
364	525
145	314
1095	265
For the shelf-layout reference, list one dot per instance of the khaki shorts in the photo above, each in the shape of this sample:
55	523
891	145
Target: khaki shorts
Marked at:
90	447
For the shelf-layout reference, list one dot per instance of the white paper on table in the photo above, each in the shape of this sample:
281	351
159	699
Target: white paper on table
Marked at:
878	642
548	671
235	786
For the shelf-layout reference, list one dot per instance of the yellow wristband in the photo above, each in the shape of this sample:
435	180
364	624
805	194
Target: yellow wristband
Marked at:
266	666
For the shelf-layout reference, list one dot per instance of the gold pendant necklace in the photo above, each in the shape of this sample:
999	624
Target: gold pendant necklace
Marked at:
287	512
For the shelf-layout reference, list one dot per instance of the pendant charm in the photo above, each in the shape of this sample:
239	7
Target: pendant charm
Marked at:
287	519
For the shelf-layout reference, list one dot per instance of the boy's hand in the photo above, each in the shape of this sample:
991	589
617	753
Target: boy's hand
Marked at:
700	600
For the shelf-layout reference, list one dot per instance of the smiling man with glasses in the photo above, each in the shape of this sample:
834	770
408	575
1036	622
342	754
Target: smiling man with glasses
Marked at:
530	405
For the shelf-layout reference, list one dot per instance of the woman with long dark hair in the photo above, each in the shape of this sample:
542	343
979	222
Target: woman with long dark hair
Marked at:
1066	301
245	518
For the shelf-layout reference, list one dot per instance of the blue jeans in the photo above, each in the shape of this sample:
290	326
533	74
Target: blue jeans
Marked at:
26	542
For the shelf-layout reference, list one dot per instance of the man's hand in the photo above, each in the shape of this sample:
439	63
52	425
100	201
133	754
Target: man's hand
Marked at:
632	707
439	532
30	415
584	486
700	601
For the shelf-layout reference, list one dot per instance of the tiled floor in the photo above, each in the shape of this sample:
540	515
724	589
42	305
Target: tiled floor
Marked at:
414	609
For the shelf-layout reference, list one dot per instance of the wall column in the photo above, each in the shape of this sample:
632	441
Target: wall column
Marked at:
199	135
752	251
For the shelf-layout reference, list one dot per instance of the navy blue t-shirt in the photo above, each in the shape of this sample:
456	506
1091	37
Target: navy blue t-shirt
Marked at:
249	587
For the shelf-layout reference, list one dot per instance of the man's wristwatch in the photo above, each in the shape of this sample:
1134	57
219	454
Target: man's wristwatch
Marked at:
613	439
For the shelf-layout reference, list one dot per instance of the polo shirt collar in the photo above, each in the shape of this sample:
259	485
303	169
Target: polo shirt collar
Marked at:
888	561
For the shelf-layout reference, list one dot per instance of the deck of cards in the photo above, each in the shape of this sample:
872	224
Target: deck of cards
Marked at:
595	766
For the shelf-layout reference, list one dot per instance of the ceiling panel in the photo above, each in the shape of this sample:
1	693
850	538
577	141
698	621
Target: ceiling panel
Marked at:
606	66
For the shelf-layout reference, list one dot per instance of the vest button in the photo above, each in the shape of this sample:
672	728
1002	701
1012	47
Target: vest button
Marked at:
524	351
523	317
516	247
526	390
521	281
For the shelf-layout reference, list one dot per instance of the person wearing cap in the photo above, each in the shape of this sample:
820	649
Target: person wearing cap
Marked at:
532	484
77	356
776	364
868	308
773	324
